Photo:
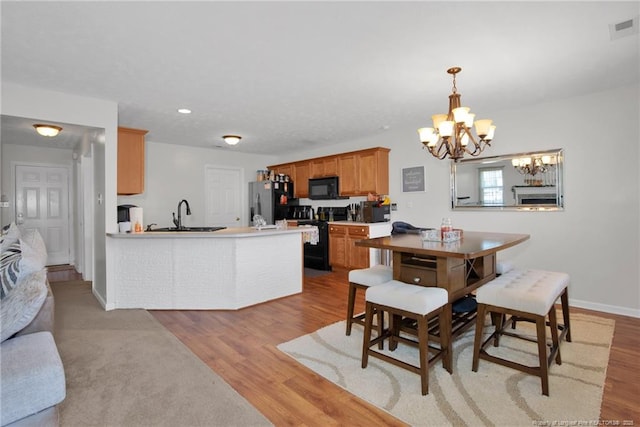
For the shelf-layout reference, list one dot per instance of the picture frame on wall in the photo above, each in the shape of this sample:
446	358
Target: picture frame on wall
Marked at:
413	179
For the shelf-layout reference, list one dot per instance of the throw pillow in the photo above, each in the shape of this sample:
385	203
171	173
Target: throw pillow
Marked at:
10	236
21	306
9	268
34	252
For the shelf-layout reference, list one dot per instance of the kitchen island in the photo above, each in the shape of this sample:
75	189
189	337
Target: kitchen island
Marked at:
226	269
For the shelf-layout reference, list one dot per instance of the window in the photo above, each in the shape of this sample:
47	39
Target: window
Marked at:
491	186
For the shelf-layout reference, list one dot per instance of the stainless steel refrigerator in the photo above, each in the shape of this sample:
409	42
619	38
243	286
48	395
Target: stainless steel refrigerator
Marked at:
271	200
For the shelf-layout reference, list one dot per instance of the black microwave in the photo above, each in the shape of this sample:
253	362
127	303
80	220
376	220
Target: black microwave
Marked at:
324	188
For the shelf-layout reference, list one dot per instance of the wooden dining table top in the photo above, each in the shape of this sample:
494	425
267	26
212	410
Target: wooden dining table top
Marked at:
473	244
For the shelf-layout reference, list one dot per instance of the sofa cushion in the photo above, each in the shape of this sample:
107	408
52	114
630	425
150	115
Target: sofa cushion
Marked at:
9	268
32	376
34	251
21	306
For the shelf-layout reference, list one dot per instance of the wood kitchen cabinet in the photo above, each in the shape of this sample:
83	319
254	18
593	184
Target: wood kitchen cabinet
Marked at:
363	172
343	252
301	179
360	172
130	161
324	166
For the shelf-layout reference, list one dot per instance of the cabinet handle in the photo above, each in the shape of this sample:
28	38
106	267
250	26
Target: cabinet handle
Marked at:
416	280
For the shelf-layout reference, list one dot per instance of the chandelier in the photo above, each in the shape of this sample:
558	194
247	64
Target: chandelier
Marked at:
532	166
451	133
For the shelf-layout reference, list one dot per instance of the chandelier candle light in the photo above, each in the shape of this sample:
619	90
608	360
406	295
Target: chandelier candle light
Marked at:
451	133
532	166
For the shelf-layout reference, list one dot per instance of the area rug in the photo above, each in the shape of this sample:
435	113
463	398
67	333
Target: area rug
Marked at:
123	368
495	395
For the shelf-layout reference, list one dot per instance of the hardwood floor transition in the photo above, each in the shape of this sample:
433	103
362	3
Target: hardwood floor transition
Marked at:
241	347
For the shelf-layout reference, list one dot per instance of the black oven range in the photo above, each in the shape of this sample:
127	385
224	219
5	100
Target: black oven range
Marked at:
317	256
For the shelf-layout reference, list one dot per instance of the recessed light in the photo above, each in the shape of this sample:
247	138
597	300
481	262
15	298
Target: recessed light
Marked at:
184	111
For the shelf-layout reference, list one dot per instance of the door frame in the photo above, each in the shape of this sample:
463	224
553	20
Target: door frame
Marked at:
70	197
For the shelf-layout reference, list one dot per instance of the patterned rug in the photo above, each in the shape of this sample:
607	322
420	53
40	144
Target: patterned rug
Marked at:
495	395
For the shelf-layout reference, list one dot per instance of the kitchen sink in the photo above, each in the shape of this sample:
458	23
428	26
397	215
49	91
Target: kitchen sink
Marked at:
188	229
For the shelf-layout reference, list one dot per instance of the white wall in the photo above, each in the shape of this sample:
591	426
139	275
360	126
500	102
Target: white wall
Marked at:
176	172
595	239
57	107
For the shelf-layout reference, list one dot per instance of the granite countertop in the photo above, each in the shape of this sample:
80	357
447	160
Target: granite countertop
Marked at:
232	232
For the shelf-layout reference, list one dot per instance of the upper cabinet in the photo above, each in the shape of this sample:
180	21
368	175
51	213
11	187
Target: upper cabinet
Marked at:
360	172
130	161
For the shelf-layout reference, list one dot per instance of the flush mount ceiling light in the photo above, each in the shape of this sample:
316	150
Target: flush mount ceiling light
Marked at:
184	111
47	130
232	139
451	134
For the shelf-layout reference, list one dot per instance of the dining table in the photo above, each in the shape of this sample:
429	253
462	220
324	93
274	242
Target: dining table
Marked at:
459	266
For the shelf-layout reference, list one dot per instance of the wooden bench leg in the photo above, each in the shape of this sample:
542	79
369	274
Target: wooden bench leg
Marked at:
423	346
541	327
477	343
565	313
368	319
350	303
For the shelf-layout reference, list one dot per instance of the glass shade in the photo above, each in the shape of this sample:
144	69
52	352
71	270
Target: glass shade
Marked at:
446	128
464	140
492	130
460	114
425	134
546	160
47	130
437	119
468	122
482	127
231	139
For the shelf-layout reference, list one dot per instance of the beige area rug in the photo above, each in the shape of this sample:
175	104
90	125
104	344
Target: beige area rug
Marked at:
495	395
125	369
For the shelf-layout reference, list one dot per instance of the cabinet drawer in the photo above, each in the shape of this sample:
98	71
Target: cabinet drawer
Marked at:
337	230
362	231
418	276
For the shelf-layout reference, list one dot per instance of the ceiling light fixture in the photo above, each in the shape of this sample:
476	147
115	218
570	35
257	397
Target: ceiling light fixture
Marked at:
533	166
451	133
47	130
184	111
232	139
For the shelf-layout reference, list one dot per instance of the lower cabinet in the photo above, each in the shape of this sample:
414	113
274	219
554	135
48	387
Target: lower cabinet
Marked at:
343	252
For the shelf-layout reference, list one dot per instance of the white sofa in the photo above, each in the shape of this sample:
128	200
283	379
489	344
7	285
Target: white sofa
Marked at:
32	380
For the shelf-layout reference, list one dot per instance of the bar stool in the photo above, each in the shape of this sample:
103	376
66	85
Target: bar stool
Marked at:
419	304
363	279
528	295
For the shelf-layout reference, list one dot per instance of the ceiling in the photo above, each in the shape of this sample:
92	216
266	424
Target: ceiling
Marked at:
295	75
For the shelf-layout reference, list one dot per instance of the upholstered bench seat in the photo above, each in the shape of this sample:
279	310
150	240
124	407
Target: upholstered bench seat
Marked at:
531	291
528	295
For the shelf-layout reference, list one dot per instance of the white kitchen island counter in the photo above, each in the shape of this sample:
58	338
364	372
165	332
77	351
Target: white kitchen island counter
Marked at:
225	269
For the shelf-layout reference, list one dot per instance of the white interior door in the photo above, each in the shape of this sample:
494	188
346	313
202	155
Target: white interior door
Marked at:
224	195
42	202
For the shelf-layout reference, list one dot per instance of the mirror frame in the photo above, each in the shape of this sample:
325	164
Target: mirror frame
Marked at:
557	177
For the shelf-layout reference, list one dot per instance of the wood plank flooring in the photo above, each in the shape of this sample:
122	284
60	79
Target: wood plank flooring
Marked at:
241	347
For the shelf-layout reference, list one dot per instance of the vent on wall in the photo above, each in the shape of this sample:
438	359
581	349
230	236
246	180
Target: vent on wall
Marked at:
624	28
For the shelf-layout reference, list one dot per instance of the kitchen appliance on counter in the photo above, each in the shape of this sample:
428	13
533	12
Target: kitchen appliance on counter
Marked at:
272	200
326	188
124	218
304	212
317	256
375	212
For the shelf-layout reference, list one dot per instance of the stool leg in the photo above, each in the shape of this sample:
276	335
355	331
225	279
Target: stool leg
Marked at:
367	333
497	320
444	324
423	346
565	313
477	343
395	321
380	319
553	325
351	302
541	327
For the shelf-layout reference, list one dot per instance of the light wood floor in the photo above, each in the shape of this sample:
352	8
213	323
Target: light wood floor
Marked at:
241	347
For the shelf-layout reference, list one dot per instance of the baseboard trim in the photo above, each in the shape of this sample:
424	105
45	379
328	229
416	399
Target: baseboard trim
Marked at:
613	309
102	302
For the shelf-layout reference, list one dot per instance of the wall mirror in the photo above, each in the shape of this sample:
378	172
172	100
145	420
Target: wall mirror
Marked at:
522	181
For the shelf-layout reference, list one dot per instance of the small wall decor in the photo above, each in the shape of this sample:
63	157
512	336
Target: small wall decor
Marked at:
413	179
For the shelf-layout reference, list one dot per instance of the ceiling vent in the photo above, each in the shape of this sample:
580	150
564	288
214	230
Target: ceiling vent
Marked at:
624	28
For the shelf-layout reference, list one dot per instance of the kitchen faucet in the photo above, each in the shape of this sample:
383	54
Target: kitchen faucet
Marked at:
178	222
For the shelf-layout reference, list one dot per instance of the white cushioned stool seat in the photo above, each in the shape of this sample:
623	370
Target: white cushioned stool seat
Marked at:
531	291
364	278
419	305
415	299
503	266
372	276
